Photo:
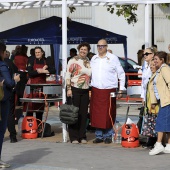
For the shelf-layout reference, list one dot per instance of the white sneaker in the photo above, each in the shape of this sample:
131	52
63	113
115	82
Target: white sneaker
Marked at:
158	148
167	148
4	164
84	141
75	142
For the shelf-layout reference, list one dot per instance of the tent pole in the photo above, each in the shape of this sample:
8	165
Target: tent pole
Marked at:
52	52
125	52
56	51
64	59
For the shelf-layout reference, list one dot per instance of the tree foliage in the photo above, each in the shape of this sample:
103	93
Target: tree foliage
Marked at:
129	11
3	10
166	6
72	9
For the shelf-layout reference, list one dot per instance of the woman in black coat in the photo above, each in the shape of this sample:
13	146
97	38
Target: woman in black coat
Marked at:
8	85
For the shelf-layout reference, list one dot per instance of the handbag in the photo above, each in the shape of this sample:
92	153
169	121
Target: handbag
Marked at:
47	131
68	114
148	128
140	121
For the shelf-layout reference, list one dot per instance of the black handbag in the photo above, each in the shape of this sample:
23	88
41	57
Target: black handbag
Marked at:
68	114
140	121
47	131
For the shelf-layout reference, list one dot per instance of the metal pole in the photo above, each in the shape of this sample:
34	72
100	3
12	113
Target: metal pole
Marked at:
64	58
146	25
153	30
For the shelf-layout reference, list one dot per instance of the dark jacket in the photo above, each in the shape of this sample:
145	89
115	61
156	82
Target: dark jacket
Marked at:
12	67
9	83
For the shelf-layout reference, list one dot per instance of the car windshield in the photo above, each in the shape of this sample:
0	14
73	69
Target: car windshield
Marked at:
123	63
131	62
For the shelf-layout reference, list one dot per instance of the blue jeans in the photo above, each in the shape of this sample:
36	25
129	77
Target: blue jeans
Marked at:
3	121
104	133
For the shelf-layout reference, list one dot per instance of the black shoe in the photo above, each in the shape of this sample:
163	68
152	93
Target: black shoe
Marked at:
147	146
108	141
144	145
14	140
150	144
97	140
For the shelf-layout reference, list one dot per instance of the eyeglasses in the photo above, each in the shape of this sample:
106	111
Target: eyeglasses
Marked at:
146	54
101	46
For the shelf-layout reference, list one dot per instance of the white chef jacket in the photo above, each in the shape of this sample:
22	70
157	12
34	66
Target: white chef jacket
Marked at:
106	71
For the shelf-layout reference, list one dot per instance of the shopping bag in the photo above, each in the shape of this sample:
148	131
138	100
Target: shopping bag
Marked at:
148	128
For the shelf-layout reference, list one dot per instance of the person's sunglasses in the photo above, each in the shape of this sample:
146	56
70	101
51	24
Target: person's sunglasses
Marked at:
101	46
146	54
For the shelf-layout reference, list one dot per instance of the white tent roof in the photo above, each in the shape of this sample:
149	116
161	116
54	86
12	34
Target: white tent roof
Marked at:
20	4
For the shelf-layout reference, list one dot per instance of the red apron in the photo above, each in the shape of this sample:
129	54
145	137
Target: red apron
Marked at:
39	79
99	108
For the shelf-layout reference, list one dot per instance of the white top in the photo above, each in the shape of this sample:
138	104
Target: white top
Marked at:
106	71
146	74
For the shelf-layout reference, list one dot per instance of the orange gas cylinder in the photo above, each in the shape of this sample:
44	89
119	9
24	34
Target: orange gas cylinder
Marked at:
130	136
29	128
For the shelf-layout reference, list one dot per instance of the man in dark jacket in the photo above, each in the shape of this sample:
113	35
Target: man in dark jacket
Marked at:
11	116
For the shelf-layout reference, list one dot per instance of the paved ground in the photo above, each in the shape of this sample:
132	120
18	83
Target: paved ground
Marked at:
52	154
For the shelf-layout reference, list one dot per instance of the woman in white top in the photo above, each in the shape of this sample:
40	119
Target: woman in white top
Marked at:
148	55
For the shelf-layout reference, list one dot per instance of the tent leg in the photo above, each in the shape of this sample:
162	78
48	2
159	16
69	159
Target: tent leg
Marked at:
64	58
64	126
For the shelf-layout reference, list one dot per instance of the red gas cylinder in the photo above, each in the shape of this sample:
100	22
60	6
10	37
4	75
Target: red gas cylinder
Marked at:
29	128
130	136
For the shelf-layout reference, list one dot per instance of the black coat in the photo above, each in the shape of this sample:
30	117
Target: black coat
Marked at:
9	83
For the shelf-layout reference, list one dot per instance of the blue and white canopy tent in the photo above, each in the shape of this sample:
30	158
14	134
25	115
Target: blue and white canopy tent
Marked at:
49	32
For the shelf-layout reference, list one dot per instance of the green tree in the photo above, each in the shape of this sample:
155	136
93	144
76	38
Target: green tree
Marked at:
165	6
127	11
